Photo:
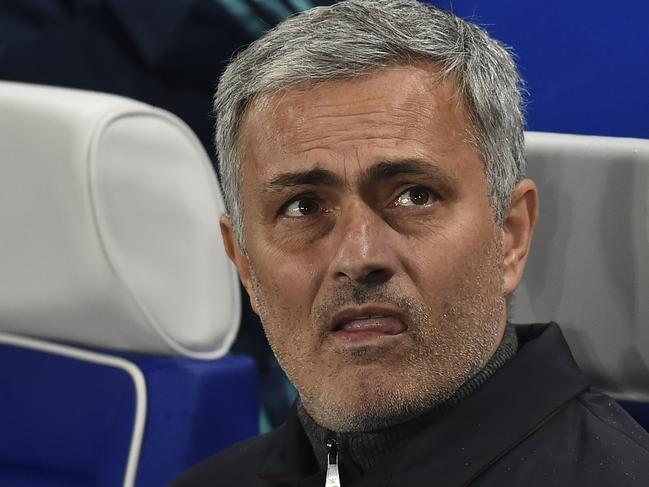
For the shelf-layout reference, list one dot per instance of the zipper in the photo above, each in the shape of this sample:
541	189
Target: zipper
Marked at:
333	476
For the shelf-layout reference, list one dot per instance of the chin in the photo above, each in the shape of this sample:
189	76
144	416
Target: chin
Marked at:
367	404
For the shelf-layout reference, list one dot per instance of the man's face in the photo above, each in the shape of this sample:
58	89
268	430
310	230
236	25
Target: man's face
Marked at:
371	250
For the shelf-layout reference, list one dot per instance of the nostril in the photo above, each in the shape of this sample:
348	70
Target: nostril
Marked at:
367	277
376	276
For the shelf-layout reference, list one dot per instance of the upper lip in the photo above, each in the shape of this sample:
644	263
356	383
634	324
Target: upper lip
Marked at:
363	312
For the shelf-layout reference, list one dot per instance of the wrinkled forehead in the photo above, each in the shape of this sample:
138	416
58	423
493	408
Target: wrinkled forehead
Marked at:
400	102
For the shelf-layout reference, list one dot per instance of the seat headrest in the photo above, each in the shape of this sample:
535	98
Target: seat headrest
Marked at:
109	216
589	265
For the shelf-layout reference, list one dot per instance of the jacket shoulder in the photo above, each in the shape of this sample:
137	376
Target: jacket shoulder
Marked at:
611	416
593	441
235	466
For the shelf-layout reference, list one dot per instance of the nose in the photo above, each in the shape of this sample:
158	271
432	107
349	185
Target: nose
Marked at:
365	254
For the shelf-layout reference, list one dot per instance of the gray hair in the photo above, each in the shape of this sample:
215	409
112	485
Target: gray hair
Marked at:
356	37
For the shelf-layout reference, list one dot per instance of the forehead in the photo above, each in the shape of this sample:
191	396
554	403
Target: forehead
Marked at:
405	111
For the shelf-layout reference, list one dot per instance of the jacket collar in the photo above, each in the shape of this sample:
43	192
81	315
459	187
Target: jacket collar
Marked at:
291	458
459	446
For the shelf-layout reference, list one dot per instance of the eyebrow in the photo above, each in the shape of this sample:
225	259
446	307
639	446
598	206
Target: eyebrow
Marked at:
381	171
310	177
386	170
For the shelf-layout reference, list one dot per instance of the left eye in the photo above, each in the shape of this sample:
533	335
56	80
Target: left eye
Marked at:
416	196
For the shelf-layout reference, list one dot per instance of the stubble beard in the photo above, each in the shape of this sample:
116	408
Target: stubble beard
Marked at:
447	349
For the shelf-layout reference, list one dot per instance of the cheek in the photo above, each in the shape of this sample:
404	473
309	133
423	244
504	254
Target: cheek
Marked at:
284	286
446	264
284	303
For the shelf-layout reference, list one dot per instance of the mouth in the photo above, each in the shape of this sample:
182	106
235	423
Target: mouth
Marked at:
367	323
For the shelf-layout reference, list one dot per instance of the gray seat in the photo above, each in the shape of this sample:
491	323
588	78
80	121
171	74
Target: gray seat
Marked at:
589	266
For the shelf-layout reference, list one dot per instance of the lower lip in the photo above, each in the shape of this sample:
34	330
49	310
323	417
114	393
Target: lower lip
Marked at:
370	329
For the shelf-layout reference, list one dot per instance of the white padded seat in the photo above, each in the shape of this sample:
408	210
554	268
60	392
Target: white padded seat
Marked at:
109	210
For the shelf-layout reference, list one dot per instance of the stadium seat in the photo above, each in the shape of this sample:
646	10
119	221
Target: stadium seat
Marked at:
117	302
589	265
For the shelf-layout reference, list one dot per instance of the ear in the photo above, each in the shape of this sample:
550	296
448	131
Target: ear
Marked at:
518	229
238	257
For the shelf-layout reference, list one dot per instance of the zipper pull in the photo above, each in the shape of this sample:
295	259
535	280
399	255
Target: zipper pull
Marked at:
333	476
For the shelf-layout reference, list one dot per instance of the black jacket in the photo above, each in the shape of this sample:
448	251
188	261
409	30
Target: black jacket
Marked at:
536	422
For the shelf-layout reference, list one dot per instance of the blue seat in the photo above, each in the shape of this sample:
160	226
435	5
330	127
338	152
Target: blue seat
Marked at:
117	302
79	417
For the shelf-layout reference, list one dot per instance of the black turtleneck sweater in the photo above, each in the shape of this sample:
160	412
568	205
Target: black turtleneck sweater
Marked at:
357	452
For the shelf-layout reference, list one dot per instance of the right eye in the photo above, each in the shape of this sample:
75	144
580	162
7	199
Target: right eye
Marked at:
300	207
